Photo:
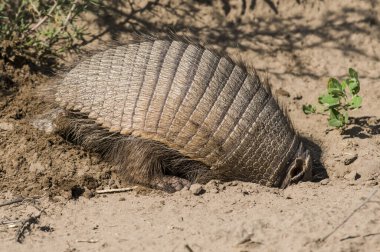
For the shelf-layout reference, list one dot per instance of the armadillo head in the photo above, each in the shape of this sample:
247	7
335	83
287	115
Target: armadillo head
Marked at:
300	169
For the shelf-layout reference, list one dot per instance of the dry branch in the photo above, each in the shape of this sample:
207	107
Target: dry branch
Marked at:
350	215
45	17
127	189
13	201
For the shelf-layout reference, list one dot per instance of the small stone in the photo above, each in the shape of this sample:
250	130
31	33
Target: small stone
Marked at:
371	183
350	160
88	194
66	195
121	199
287	195
213	186
197	189
45	125
325	181
184	189
58	199
233	183
6	126
37	167
214	190
352	176
297	97
282	92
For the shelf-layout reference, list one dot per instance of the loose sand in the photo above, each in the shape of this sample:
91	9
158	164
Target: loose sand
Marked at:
299	44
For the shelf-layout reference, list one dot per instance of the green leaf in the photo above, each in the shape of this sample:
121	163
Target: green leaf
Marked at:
345	117
329	100
354	86
334	87
334	113
336	119
308	109
356	102
344	84
353	74
335	122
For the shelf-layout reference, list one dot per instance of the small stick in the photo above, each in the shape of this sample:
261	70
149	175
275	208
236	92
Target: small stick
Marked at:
127	189
21	199
349	216
88	241
35	8
372	234
45	17
7	222
70	13
26	225
356	236
187	247
13	201
350	237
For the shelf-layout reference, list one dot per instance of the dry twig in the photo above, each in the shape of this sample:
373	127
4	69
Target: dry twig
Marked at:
42	20
350	215
372	234
68	17
13	201
9	222
127	189
88	241
357	236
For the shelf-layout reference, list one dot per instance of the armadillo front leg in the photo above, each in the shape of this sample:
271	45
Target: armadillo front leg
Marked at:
154	164
170	183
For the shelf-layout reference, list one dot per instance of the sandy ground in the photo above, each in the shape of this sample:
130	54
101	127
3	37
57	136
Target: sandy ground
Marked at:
299	44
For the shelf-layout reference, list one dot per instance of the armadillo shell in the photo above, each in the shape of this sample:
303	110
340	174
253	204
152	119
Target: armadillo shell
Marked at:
189	98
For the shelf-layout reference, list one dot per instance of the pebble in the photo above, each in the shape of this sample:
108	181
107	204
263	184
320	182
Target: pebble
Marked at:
297	97
197	189
350	160
6	126
214	186
233	183
37	167
352	176
371	183
214	190
282	92
325	181
58	199
88	194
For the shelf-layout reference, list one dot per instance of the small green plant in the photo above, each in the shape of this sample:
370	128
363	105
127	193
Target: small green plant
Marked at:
37	32
339	99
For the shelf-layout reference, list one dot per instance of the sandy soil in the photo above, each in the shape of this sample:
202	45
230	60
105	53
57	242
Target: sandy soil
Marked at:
299	44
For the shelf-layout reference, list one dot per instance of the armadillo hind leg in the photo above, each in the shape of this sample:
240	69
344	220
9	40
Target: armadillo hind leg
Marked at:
138	160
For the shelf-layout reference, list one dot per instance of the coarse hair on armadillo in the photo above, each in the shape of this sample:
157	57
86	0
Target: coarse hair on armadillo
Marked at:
159	107
138	160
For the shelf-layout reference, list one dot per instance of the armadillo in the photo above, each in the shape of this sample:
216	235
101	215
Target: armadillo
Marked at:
170	113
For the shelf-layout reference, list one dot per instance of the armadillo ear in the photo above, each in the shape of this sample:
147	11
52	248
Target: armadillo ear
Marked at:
300	168
295	173
307	167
